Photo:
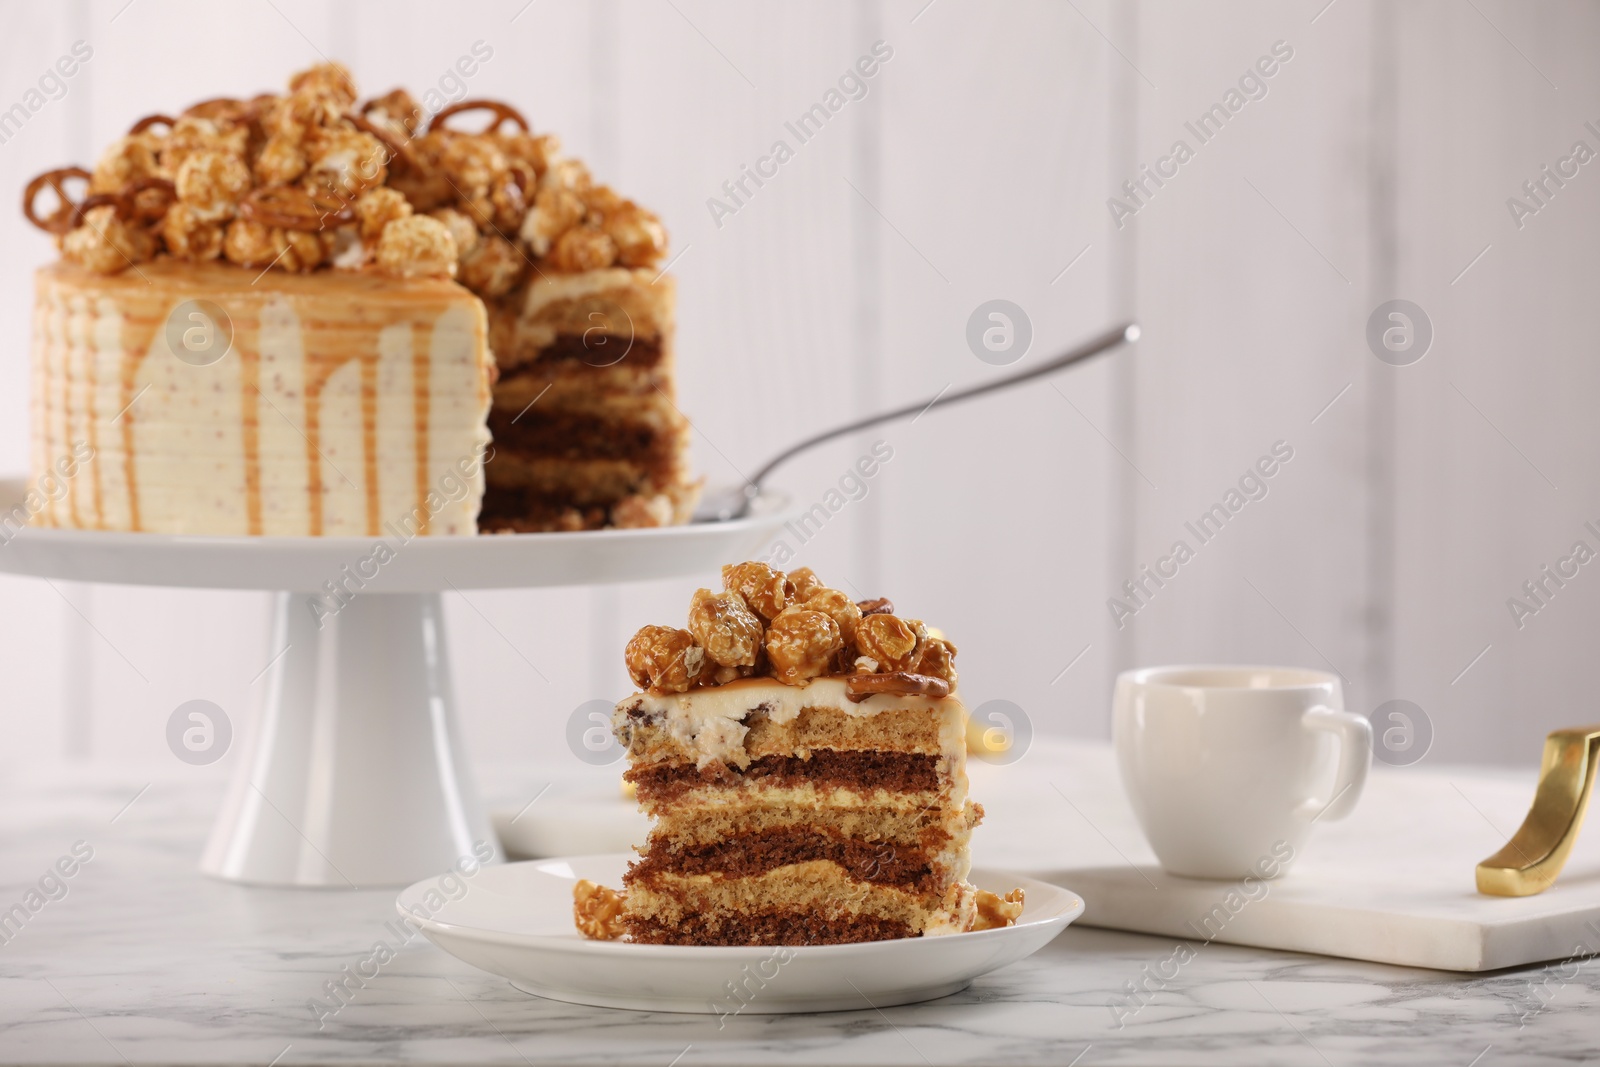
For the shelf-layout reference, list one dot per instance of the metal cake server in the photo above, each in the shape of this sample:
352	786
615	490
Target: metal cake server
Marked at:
734	503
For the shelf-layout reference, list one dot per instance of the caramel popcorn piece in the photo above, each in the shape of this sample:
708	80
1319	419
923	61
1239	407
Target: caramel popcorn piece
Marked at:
346	162
567	174
211	183
396	109
725	626
190	235
376	208
801	644
460	227
537	150
840	608
472	163
105	244
329	80
255	244
583	248
806	584
493	267
993	911
888	640
765	590
282	160
126	160
191	134
640	239
664	659
252	244
555	210
937	659
417	245
597	911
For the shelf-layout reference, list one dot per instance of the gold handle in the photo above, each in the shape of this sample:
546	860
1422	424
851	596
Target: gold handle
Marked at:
1530	861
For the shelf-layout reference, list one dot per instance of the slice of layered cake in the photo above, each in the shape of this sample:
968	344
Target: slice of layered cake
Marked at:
803	758
304	314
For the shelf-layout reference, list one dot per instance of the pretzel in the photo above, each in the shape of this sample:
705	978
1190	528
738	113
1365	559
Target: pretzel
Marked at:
290	207
60	221
878	606
502	113
859	687
150	120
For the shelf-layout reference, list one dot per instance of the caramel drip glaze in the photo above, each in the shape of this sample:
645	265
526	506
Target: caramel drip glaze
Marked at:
96	491
369	437
340	317
66	412
250	430
138	333
421	397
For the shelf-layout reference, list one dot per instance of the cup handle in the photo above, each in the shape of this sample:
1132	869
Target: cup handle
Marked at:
1355	755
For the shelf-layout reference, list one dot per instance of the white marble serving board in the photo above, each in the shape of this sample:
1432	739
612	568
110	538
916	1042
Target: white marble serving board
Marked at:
1393	883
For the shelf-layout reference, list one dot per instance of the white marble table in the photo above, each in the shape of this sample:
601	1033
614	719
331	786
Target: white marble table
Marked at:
144	960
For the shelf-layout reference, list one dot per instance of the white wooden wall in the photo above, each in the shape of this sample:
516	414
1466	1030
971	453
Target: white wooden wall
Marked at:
979	166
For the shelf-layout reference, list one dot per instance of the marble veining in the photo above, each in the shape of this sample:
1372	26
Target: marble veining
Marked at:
144	960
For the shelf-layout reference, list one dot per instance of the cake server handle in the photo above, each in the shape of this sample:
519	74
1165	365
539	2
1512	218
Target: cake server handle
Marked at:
737	505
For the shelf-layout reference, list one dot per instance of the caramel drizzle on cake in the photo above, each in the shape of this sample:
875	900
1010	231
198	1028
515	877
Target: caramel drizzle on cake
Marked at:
806	778
284	419
250	428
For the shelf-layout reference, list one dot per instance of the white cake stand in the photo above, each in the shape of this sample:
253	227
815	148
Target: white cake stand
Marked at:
354	774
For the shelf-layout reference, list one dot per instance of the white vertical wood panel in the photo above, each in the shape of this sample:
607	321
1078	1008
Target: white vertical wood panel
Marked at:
995	514
36	626
1251	288
1502	406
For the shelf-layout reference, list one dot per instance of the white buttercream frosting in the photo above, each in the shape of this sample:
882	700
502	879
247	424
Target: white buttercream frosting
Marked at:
345	405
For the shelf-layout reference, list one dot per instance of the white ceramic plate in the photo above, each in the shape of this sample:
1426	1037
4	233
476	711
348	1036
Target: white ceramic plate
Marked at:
515	920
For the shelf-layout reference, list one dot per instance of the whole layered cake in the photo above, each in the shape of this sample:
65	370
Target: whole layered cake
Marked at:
309	314
803	758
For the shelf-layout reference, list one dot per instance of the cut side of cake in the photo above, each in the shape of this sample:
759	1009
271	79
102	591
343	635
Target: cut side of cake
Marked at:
390	291
804	765
789	815
586	424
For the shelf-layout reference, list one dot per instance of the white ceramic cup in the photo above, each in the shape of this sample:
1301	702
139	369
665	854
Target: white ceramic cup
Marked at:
1228	767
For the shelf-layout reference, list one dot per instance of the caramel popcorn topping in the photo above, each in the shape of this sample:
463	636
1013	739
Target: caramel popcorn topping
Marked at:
597	911
792	628
314	179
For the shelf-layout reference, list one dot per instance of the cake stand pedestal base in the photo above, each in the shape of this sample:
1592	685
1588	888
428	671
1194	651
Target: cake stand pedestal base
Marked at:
354	774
